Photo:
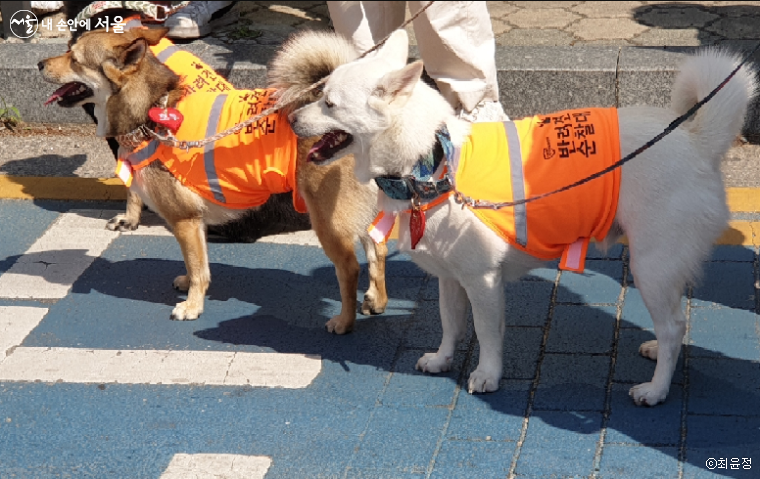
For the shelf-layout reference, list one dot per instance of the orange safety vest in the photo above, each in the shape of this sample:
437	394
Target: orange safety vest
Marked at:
240	170
195	75
222	173
502	162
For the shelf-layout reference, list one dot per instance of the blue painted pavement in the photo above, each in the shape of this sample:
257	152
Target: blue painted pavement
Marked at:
562	411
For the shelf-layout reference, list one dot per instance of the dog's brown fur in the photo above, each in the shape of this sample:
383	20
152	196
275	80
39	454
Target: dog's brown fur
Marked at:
124	75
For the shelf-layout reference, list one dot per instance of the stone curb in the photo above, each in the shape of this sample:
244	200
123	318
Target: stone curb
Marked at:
532	79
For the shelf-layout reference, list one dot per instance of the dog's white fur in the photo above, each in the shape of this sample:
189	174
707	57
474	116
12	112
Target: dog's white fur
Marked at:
672	201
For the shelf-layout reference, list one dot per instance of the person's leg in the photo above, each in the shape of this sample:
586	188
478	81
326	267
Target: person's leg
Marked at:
366	23
194	20
456	42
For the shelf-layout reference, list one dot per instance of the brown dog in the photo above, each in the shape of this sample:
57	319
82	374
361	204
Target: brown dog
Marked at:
124	80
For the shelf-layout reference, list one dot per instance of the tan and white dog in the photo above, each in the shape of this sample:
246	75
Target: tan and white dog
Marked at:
672	202
119	74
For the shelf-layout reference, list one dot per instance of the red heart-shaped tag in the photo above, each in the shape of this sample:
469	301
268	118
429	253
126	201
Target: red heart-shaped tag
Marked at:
170	118
416	226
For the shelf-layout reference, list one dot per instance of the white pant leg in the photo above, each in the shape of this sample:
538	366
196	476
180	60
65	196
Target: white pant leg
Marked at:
366	23
457	45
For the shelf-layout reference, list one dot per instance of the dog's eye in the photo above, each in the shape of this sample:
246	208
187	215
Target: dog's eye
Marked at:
328	103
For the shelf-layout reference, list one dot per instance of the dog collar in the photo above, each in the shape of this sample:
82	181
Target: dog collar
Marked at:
420	185
136	137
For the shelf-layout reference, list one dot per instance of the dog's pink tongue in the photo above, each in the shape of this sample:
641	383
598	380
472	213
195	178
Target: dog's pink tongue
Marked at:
59	93
313	152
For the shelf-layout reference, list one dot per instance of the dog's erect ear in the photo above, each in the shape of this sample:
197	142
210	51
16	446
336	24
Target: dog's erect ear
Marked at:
397	86
117	71
396	49
151	35
134	53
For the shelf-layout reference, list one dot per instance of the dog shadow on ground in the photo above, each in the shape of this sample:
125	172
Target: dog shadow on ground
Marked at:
714	397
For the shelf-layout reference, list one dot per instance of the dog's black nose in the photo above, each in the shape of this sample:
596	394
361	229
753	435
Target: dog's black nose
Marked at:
41	65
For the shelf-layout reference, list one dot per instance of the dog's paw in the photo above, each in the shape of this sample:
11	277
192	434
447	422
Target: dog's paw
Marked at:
646	394
339	325
371	305
122	223
434	363
649	349
482	381
184	311
181	283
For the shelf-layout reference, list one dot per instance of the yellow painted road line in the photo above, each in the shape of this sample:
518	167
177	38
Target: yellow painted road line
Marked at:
73	188
740	200
743	200
56	188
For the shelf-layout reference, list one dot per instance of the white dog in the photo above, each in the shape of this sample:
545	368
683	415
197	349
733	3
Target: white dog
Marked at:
671	202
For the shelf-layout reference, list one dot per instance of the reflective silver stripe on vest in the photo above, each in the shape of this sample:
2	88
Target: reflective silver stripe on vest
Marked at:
454	164
141	155
166	53
518	183
208	148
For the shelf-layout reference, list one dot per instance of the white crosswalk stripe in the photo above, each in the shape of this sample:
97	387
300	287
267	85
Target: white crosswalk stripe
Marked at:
216	466
48	270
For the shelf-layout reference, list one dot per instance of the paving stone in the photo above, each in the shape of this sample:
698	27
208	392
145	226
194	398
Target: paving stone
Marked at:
739	9
635	425
720	385
541	18
528	303
465	459
397	439
724	332
590	29
681	37
599	283
581	329
721	437
496	416
673	17
572	383
733	253
499	9
614	252
726	284
364	473
612	42
409	387
650	462
500	27
606	9
572	438
736	28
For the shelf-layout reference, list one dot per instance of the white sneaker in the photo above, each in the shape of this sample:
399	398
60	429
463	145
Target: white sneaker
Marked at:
194	20
484	111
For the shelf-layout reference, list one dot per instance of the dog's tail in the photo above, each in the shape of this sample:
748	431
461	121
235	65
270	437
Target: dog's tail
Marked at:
719	121
305	58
